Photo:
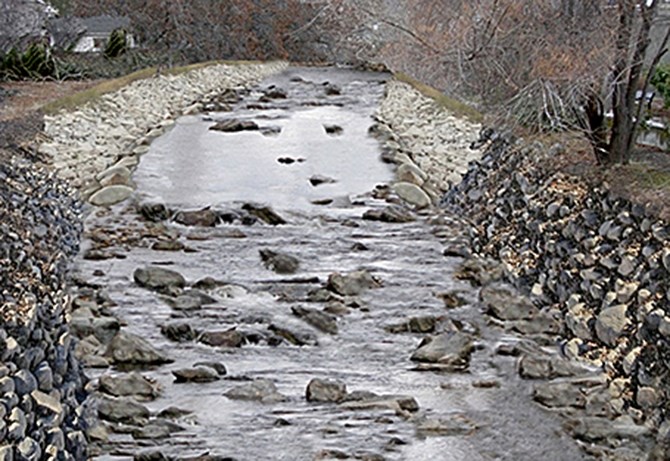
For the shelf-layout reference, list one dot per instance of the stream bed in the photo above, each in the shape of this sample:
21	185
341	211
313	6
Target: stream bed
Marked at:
311	160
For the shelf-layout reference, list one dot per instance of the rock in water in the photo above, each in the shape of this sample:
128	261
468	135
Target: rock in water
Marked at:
450	350
412	194
129	349
111	195
327	391
198	374
264	213
281	263
351	284
262	390
131	385
318	319
205	218
158	278
234	125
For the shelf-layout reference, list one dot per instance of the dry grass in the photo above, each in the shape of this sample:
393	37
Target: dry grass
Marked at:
454	106
109	86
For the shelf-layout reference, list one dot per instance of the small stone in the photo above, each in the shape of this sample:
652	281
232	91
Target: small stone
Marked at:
111	195
123	410
227	338
351	284
333	130
195	375
326	391
611	323
318	319
261	390
133	384
450	350
178	331
158	278
280	263
412	194
47	402
24	382
648	398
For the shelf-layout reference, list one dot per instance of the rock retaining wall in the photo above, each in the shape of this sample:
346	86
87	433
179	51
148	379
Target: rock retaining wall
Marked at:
599	263
97	146
427	143
41	381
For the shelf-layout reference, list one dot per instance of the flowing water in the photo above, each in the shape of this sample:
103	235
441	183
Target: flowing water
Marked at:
191	167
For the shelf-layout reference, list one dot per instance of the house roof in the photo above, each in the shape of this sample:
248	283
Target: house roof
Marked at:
105	24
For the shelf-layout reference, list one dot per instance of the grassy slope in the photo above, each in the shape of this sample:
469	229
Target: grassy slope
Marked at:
109	86
454	106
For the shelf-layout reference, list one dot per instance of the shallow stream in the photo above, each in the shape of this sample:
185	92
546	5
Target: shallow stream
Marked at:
191	167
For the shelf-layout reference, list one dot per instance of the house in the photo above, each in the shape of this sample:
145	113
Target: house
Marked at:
98	30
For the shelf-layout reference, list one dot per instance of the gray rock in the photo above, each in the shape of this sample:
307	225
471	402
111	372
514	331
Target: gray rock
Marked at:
103	328
369	401
158	278
390	214
318	319
578	320
234	125
352	284
611	323
123	410
227	338
479	271
423	324
410	173
593	429
261	390
450	350
318	180
327	391
195	375
17	427
185	302
6	453
24	382
29	450
559	394
128	385
293	336
47	403
156	429
178	331
168	245
111	195
264	213
280	263
219	367
129	349
412	194
455	425
334	130
505	303
204	218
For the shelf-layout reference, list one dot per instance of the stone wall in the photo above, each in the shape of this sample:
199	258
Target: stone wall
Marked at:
97	146
429	145
598	262
41	382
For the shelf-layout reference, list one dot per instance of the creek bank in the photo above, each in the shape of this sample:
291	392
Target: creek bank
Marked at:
45	413
586	270
97	146
599	267
42	411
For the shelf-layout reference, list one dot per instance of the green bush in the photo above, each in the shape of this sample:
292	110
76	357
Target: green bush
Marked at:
36	62
117	44
661	81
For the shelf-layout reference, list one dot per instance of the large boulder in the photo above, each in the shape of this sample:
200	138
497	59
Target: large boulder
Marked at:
123	410
412	194
110	195
260	390
505	303
611	323
128	385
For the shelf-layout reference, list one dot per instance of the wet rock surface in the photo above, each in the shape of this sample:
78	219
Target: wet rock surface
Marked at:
290	342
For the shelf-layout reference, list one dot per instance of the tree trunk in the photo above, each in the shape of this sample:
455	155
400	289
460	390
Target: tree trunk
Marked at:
631	50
